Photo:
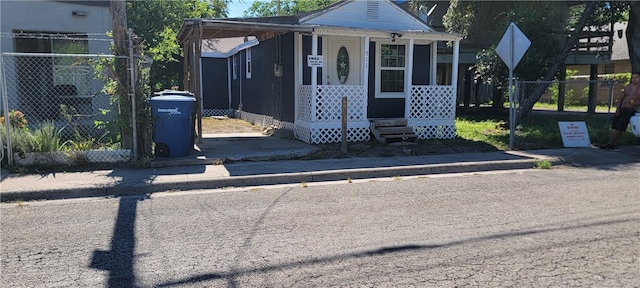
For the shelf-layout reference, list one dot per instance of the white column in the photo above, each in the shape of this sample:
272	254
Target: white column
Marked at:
434	63
365	63
365	73
297	72
408	83
314	77
454	68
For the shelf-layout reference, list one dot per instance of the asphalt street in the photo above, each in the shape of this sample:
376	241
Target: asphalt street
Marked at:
564	227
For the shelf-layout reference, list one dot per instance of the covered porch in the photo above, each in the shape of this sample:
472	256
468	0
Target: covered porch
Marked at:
428	106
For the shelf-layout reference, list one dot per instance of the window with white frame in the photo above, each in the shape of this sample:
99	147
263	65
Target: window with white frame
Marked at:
235	69
248	63
391	69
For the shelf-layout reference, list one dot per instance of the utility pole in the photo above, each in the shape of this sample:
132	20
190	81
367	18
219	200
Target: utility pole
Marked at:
119	23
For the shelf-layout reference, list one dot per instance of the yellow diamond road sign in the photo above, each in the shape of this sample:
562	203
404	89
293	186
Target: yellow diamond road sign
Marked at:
513	46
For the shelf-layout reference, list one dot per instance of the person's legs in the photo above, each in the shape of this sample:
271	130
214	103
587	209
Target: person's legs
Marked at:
615	138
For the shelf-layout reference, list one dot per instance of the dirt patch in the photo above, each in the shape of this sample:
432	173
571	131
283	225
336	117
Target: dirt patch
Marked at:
212	125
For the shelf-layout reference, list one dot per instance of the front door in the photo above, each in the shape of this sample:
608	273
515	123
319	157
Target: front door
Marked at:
342	61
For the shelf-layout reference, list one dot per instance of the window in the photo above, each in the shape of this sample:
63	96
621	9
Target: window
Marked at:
235	74
66	71
391	68
248	63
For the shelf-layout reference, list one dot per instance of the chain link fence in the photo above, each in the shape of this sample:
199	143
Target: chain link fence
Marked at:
592	102
54	110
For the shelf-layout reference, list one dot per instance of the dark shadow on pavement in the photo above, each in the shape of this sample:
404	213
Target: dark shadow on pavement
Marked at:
119	261
234	273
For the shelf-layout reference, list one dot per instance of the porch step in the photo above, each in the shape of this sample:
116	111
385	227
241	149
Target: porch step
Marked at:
392	130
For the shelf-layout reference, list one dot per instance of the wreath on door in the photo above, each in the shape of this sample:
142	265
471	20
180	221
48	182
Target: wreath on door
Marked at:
342	65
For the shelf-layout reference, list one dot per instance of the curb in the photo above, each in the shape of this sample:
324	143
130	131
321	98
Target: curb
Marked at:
127	189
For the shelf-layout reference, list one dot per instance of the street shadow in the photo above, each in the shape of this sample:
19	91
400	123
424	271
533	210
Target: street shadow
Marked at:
119	260
233	274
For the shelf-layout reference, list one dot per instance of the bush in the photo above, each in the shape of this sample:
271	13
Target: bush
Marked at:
48	139
17	119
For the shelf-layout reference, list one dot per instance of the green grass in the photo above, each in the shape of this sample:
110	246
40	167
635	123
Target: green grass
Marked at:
554	107
538	130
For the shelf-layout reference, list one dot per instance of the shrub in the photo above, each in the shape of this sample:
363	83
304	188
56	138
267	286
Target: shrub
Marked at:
17	119
48	139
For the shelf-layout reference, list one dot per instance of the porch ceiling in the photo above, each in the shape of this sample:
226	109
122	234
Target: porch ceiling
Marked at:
212	29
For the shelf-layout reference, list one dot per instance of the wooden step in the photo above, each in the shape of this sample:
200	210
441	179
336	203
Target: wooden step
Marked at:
395	130
390	122
392	130
400	136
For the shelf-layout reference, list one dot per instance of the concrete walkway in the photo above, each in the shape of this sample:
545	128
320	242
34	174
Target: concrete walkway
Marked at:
198	171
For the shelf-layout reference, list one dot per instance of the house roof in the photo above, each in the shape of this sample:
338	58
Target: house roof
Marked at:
345	17
226	47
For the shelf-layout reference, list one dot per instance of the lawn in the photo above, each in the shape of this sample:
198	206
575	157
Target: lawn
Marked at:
538	130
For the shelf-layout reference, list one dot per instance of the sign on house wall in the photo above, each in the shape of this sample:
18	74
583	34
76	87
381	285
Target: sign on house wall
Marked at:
314	60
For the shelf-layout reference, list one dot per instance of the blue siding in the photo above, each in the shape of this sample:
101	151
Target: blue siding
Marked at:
394	107
264	93
215	87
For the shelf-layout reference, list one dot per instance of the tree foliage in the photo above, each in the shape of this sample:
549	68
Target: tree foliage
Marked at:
545	23
157	23
287	7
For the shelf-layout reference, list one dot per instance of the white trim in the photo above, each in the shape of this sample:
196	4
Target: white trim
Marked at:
378	70
434	64
235	66
365	63
418	35
408	76
314	74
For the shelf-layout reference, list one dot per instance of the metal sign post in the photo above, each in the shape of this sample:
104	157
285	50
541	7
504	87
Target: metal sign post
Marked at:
511	48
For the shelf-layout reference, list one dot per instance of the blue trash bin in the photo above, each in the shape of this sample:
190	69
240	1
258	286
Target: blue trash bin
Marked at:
173	124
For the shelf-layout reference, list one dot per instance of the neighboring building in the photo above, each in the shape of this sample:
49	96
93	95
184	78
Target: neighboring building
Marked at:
378	55
31	30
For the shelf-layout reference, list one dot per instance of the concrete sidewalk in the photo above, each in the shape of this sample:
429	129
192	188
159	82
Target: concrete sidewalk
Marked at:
121	181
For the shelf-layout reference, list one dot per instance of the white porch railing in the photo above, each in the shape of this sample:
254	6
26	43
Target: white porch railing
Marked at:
319	118
431	111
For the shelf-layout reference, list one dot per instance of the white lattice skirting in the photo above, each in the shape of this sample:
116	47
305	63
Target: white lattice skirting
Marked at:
320	115
432	112
217	112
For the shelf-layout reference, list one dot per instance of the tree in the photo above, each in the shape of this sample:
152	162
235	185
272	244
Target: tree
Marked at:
633	37
157	23
542	21
285	7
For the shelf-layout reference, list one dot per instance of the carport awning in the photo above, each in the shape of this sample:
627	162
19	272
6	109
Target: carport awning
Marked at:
212	29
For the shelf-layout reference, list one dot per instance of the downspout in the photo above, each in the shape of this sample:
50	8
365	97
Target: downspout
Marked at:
229	75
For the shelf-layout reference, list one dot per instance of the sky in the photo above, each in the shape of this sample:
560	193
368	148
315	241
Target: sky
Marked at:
236	7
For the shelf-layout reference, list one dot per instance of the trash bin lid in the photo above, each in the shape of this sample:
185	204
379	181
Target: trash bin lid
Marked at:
173	98
174	92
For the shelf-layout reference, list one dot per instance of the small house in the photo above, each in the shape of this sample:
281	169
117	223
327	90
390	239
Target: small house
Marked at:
372	61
